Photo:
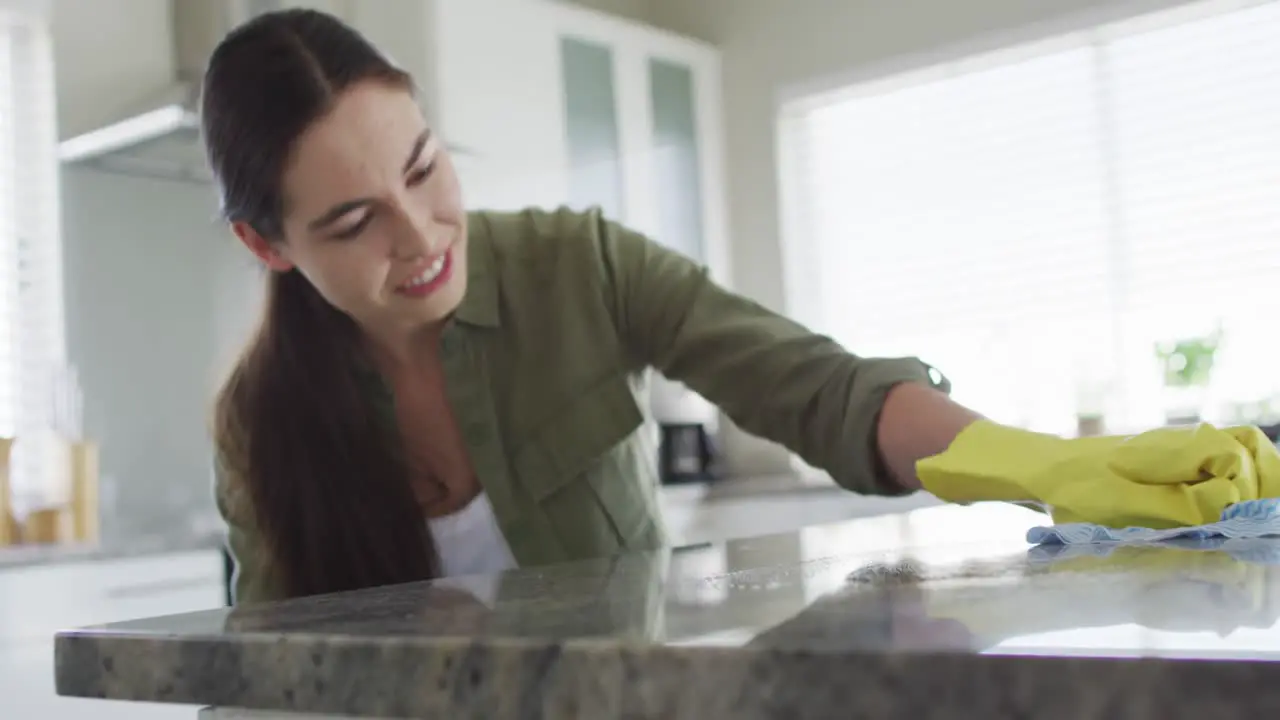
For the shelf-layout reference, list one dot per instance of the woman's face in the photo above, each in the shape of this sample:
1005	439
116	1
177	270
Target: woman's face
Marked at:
373	213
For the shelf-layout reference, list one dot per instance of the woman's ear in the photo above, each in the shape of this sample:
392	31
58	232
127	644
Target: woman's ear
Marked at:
269	253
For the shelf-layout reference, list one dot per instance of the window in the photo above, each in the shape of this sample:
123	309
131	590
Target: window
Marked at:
32	335
1039	223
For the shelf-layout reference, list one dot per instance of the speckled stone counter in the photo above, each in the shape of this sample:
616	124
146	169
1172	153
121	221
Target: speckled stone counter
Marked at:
938	613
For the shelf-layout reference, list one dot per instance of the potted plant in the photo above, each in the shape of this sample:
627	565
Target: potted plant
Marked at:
1187	367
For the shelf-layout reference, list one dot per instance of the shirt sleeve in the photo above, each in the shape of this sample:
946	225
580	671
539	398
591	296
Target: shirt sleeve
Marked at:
770	375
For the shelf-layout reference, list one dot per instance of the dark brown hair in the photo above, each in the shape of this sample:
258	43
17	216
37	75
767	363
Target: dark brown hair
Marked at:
296	420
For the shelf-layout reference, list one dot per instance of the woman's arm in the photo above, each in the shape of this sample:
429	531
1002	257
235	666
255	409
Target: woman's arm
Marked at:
866	421
917	422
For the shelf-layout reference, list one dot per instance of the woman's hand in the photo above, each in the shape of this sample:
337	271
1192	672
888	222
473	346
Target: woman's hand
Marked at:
1170	477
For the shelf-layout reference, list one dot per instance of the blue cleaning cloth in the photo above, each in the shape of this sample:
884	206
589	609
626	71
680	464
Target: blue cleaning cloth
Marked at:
1250	519
1246	550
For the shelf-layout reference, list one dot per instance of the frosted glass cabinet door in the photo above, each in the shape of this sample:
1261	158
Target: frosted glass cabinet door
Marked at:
591	126
677	192
676	166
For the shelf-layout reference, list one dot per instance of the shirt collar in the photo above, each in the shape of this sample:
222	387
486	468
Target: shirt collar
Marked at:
480	303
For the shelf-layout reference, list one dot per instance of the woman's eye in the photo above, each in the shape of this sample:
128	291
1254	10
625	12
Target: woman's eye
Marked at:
419	176
355	229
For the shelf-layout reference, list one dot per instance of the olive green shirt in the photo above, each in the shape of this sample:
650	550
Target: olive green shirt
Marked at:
564	314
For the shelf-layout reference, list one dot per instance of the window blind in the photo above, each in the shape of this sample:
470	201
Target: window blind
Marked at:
32	334
1197	148
1036	226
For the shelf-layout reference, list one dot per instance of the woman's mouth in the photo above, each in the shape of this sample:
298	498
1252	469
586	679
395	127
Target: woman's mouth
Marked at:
430	278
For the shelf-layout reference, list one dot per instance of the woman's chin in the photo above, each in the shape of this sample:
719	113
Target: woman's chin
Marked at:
435	307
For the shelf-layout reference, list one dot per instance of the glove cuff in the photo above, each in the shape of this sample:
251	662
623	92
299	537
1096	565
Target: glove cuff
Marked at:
989	461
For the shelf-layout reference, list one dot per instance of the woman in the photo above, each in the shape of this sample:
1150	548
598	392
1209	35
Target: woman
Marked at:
435	392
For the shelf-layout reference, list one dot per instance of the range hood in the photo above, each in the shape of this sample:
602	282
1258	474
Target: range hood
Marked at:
161	139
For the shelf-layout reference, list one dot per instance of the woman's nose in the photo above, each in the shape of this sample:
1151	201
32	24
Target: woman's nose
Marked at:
420	238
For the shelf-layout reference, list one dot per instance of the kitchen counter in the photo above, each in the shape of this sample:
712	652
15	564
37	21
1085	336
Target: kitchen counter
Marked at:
678	501
25	556
941	612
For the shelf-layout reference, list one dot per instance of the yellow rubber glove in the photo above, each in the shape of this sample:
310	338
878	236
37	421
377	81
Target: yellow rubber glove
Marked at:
1170	477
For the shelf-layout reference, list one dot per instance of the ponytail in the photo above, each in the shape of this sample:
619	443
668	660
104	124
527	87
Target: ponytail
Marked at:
321	461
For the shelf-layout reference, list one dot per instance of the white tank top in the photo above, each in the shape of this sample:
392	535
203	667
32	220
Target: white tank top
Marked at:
470	542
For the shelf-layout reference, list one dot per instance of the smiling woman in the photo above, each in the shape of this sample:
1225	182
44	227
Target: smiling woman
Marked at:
377	213
433	391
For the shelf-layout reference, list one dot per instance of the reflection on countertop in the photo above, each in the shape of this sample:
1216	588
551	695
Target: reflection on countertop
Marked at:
939	612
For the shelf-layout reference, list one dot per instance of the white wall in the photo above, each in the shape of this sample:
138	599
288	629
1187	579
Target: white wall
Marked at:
770	47
641	10
155	292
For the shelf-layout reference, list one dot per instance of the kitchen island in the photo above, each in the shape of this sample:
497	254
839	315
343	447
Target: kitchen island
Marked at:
942	612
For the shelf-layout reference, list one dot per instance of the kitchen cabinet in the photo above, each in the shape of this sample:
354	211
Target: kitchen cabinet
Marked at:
37	601
642	126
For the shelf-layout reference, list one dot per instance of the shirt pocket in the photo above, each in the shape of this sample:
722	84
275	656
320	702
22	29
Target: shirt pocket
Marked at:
571	468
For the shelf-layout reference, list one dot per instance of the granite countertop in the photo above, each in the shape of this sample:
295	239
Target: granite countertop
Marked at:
943	612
